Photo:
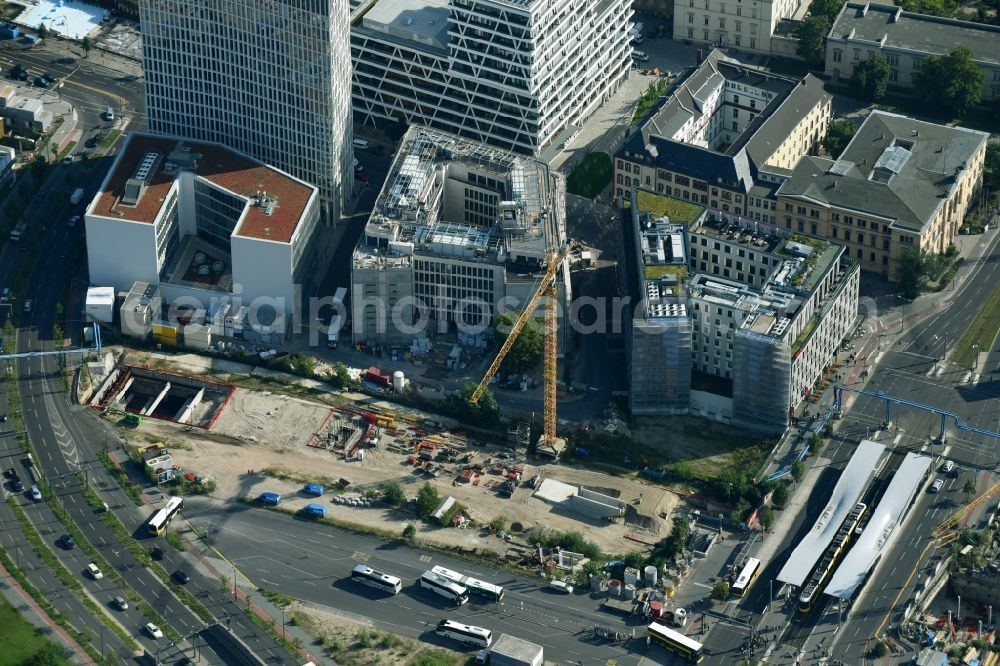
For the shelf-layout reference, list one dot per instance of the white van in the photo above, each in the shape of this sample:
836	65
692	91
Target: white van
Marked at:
109	114
360	144
560	586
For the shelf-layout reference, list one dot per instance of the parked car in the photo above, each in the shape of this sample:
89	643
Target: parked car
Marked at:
936	486
16	485
93	141
41	82
181	577
10	473
18	73
49	77
66	542
120	603
560	586
68	159
95	571
36	494
153	630
28	305
73	220
948	466
156	553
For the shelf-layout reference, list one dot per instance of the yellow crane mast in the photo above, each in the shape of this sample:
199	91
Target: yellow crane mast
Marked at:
546	288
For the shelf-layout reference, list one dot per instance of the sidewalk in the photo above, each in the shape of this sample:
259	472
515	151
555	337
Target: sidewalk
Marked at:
26	606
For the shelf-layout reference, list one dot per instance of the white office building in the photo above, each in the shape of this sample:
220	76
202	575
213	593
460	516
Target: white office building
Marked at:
512	73
205	224
270	78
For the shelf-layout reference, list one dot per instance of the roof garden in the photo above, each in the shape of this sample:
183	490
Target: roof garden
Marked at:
660	205
657	271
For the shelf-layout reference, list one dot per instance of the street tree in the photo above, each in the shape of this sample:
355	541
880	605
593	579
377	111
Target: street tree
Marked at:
720	591
952	80
969	490
409	532
428	499
913	271
779	497
43	31
766	518
838	134
87	43
811	34
870	79
485	413
393	493
798	470
526	351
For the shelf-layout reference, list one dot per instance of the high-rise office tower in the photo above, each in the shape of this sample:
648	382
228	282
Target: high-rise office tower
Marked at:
270	78
513	73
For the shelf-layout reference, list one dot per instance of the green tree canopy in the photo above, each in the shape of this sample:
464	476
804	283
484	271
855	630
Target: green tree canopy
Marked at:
780	496
427	500
870	79
913	271
766	518
409	532
811	34
991	166
838	134
526	351
485	413
953	81
826	8
720	591
393	493
798	470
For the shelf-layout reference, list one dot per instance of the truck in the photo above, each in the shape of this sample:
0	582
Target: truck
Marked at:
18	233
512	651
77	196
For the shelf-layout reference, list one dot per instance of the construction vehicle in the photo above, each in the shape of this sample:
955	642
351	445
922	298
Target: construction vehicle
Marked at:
546	288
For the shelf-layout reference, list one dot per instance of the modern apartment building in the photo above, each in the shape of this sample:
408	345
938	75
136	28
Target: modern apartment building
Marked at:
269	78
725	138
512	73
728	307
206	224
460	232
747	26
904	39
900	183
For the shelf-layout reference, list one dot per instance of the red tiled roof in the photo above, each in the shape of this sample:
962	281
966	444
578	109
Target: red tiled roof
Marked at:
221	166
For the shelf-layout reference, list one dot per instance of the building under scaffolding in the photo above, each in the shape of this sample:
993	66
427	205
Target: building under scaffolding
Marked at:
458	227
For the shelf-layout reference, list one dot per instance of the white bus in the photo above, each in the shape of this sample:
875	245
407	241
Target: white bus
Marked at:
159	521
442	586
475	587
676	642
465	634
380	581
746	577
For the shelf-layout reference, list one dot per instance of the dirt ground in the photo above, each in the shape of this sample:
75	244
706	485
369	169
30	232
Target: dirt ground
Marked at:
267	433
351	643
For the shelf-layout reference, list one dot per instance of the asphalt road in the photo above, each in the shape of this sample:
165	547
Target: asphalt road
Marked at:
63	436
299	559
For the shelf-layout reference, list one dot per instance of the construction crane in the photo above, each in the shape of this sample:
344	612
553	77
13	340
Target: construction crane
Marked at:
546	288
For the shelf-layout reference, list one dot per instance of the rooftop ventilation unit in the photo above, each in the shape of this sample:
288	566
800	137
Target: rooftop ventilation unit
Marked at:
146	166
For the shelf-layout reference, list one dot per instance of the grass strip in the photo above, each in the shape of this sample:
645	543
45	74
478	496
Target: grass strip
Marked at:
140	554
68	580
21	643
982	332
83	639
109	139
121	477
292	646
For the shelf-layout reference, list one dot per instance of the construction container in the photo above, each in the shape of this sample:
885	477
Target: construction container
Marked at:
614	587
631	576
650	575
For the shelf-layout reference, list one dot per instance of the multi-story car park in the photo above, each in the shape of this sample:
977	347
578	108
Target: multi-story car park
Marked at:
726	138
726	307
748	26
457	228
203	222
269	78
512	73
900	183
904	39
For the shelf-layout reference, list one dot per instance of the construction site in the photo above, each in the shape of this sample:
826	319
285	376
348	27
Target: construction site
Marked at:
142	392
